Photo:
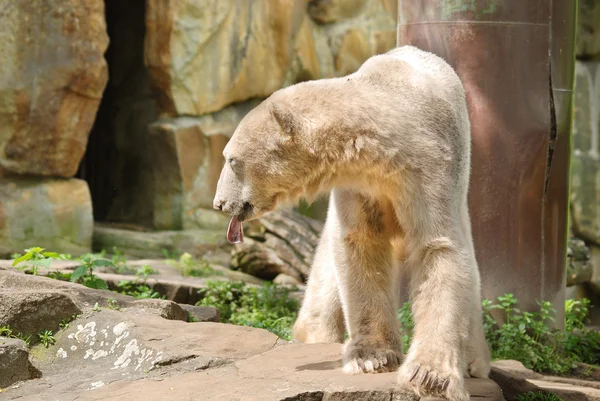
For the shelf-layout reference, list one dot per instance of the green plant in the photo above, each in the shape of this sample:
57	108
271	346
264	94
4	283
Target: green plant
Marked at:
85	273
193	267
47	338
170	254
64	323
113	304
36	257
406	320
6	331
581	343
268	306
139	289
145	271
527	336
59	276
538	396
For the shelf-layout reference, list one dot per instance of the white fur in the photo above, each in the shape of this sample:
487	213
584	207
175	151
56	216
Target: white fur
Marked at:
392	144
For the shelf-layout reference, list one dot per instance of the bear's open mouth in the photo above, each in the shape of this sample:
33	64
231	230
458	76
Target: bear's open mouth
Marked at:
235	231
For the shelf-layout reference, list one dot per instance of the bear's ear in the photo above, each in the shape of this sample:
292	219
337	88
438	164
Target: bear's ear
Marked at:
290	124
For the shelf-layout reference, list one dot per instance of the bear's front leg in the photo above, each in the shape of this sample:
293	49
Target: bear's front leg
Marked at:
440	290
363	256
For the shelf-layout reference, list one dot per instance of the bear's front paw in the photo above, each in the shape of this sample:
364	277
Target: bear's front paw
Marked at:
364	356
435	375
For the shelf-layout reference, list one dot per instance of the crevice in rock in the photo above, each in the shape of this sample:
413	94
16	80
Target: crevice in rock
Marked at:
175	360
308	396
117	164
201	362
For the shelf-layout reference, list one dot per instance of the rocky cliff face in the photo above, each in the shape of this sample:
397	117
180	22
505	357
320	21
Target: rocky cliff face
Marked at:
139	98
585	163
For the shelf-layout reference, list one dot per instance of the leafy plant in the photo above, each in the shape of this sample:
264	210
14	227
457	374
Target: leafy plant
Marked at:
64	323
145	271
85	273
59	276
170	254
579	341
6	331
406	320
193	267
47	338
36	257
527	336
192	319
139	289
269	306
113	304
538	396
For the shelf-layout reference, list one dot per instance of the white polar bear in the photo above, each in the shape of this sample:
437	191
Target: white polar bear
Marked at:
392	144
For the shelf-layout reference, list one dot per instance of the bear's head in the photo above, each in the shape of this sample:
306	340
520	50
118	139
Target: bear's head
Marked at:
267	161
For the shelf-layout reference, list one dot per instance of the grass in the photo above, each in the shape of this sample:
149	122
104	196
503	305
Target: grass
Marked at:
7	331
188	266
538	396
47	338
268	307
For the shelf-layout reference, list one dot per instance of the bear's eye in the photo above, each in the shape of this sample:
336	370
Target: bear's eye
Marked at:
232	162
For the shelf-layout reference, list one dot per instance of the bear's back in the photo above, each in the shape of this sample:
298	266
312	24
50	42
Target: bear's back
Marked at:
420	69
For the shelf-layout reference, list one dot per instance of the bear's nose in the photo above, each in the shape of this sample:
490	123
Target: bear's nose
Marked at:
218	204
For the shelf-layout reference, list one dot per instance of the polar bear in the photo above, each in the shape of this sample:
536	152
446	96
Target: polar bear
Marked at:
391	143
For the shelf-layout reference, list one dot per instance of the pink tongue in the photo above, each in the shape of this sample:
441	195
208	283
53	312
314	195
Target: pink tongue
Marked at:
235	231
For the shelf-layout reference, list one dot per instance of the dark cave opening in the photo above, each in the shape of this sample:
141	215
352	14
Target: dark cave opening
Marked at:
117	164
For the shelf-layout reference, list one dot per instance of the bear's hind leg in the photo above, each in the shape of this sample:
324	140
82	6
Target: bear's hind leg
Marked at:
320	319
363	257
477	350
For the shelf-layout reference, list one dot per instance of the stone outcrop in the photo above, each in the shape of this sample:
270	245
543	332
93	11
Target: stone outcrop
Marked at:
53	75
30	304
585	167
204	56
588	29
14	362
52	213
579	264
189	153
156	107
113	354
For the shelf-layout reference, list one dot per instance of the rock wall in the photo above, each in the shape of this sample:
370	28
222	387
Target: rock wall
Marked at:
585	162
211	62
52	76
137	99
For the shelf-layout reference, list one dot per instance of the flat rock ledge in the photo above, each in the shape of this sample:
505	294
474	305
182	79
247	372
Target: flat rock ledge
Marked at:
120	348
216	362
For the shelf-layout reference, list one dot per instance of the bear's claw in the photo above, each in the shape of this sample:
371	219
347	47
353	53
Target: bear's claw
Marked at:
366	358
426	381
